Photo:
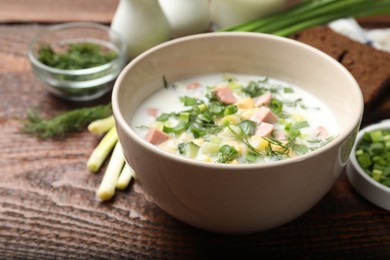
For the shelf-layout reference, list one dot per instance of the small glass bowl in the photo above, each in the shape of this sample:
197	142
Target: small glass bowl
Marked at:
369	188
80	84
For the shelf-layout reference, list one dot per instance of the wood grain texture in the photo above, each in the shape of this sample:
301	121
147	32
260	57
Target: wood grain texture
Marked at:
48	208
43	11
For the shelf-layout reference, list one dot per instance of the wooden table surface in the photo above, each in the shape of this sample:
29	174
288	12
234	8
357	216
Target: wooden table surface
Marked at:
48	207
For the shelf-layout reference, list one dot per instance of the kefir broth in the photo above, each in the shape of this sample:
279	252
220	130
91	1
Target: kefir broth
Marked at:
296	123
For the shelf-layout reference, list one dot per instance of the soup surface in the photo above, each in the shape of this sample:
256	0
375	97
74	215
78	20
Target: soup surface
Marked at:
229	118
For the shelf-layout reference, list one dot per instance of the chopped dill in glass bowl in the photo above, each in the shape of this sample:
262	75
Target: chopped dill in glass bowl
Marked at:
77	61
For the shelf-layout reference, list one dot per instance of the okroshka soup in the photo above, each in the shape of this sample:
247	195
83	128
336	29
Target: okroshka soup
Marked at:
236	132
230	118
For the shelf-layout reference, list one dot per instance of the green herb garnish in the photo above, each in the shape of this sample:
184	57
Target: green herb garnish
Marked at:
373	155
248	127
206	116
255	88
188	101
230	110
76	56
228	154
165	82
63	124
277	107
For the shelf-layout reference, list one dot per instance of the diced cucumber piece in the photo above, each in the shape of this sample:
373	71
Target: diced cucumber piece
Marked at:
209	148
216	140
202	107
189	150
230	120
184	117
159	125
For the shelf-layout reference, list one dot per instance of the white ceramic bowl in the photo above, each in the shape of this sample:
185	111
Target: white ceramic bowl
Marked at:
237	198
372	190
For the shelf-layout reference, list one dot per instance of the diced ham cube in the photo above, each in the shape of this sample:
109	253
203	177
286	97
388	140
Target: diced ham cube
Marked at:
264	114
321	132
155	136
152	111
264	100
280	136
265	129
193	85
225	95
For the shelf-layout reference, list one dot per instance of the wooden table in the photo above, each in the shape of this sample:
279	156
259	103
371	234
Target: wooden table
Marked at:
48	207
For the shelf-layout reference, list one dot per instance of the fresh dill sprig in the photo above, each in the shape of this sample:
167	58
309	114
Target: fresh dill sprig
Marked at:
65	123
243	137
283	148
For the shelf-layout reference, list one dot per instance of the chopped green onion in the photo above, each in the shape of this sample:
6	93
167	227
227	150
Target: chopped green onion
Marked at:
188	101
248	127
373	155
288	90
254	89
364	160
184	116
228	154
216	108
229	110
376	136
301	124
300	148
276	106
164	117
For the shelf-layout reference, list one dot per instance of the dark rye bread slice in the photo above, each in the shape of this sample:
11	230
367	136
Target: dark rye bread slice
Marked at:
370	67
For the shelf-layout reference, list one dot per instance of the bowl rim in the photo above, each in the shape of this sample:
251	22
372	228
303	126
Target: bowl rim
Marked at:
121	57
119	118
385	124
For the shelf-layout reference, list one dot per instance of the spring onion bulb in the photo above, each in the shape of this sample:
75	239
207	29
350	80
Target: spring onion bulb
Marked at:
311	13
101	151
107	187
101	126
125	177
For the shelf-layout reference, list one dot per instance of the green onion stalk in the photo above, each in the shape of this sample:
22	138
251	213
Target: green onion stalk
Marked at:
107	187
118	173
310	13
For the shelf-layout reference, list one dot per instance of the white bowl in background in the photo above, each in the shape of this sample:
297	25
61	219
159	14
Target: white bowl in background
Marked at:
369	188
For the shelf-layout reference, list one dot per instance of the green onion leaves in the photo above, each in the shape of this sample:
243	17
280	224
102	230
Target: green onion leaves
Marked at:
310	13
228	154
